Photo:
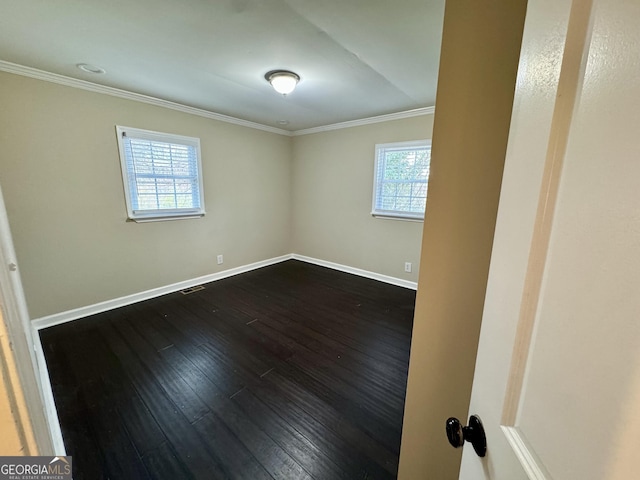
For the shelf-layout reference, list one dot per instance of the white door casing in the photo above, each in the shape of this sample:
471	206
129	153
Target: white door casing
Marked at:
557	380
29	409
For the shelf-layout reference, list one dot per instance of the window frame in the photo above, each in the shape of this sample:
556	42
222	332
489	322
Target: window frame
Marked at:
155	215
380	151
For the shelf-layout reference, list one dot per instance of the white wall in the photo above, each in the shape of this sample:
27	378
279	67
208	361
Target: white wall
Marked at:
332	193
60	174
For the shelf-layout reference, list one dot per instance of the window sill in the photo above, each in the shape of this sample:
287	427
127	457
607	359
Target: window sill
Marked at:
164	219
397	217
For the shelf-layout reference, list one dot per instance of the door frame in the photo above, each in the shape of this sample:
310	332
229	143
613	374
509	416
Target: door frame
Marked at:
37	413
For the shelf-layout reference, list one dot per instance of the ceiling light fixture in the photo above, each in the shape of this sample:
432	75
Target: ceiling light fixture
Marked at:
282	81
87	67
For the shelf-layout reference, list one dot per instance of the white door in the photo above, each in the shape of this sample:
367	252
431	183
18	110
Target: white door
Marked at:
557	381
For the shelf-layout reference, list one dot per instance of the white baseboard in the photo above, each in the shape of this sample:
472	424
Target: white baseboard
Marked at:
51	412
63	317
357	271
49	404
69	315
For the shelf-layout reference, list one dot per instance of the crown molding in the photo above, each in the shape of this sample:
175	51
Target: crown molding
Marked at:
30	72
138	97
367	121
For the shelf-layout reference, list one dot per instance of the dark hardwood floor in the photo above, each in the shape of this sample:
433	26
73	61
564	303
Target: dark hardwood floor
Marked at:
292	371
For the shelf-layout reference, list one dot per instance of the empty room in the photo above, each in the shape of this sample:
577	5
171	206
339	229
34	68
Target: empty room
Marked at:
257	324
289	239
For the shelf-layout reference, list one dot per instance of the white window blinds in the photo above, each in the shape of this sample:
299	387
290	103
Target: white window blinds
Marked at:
401	176
161	173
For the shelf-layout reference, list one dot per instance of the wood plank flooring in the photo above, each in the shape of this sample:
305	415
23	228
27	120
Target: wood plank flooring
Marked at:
292	371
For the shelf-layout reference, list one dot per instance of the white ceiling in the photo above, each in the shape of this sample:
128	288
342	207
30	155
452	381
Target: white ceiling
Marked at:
356	58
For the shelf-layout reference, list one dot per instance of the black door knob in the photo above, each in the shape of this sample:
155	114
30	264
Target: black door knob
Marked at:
473	433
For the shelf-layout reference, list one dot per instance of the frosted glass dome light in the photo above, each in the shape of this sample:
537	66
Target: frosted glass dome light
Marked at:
282	81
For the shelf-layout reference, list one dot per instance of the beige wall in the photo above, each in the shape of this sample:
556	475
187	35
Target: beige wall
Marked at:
266	195
480	49
332	193
60	174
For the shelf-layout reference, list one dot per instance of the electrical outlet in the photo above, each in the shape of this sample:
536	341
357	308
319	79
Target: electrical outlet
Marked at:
220	259
407	267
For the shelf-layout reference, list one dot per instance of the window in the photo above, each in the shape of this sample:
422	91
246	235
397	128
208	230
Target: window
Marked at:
162	175
400	183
